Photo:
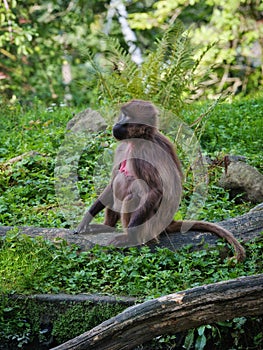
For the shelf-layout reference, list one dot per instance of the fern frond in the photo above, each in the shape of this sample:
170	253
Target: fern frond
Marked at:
166	77
169	66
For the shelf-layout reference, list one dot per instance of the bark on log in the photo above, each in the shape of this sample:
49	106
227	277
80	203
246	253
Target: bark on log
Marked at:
245	228
93	299
174	313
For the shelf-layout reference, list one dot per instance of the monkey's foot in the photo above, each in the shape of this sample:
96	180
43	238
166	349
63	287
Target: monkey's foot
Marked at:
93	229
82	229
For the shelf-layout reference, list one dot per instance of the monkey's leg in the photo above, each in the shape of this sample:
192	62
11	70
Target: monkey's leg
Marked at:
105	199
138	218
129	204
111	217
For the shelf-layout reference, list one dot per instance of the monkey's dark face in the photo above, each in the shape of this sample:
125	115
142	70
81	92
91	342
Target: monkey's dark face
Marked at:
127	128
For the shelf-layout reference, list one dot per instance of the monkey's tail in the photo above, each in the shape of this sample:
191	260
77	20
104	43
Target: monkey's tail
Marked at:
176	226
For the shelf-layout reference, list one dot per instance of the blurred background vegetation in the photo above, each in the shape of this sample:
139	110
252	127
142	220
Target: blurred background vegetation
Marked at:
46	46
97	53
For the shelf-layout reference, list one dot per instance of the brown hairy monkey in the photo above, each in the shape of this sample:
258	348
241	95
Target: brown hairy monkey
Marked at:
146	185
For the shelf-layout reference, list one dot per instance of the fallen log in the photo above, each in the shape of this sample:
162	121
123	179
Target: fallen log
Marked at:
245	227
174	313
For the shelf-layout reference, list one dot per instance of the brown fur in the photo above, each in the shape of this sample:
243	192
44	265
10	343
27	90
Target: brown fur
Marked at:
146	185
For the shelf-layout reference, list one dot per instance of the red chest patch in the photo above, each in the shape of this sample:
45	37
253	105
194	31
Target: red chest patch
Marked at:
123	168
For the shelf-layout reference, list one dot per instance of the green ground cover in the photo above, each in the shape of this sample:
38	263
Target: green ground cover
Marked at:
27	197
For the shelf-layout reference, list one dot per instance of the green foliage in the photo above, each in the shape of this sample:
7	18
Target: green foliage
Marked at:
25	322
230	27
38	266
37	41
200	341
27	185
233	26
245	333
231	128
15	328
21	321
166	77
27	197
78	319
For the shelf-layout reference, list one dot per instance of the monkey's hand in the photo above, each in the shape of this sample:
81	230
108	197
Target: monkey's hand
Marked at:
83	227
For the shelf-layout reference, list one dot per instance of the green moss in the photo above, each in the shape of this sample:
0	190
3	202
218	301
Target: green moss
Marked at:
79	318
25	321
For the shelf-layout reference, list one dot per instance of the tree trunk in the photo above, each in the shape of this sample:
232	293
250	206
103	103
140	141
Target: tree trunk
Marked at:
174	313
244	227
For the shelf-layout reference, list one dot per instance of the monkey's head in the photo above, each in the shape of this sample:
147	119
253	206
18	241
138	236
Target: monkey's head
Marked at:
138	119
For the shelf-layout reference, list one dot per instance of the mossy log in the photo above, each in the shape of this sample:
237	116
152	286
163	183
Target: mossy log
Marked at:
245	228
174	313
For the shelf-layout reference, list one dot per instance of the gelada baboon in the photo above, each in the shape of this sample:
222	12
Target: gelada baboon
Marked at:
146	185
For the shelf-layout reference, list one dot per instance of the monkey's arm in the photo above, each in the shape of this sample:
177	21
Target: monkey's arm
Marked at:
105	199
154	193
146	211
133	233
